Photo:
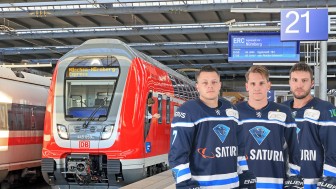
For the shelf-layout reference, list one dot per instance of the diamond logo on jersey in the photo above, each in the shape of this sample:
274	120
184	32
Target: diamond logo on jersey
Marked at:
221	131
298	130
294	114
259	133
217	112
258	114
175	173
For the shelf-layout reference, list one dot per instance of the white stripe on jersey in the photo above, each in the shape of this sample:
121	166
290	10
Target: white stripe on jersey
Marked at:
182	124
268	121
182	166
269	180
329	168
321	123
310	180
295	167
183	178
192	124
227	186
214	177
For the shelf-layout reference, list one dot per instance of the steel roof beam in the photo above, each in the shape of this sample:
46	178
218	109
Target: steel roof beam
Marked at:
242	72
190	57
216	65
141	47
163	8
66	20
138	46
95	22
111	32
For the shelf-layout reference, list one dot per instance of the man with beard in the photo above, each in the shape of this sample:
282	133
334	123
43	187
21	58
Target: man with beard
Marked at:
267	128
316	122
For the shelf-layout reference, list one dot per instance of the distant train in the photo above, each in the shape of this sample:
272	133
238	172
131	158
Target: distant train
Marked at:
96	130
23	98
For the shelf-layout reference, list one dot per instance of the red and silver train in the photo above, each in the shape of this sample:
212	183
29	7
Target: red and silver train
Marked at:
23	98
96	130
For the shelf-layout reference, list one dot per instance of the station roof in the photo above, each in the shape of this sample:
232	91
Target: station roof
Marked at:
181	34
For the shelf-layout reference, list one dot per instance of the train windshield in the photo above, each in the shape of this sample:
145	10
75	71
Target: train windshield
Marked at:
89	87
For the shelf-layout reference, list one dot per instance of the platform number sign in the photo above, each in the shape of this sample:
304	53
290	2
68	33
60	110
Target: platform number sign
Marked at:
304	25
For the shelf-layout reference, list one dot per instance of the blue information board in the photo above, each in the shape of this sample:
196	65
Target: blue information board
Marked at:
262	47
304	24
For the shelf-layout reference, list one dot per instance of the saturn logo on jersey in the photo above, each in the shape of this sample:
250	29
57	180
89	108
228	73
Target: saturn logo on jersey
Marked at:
221	131
259	133
203	153
227	151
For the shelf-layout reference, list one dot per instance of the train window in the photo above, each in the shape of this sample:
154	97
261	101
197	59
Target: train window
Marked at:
174	83
168	110
180	88
3	117
189	93
160	107
175	109
87	97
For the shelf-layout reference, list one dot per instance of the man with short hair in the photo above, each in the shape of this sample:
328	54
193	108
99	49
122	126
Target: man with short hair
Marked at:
150	103
270	132
204	145
316	121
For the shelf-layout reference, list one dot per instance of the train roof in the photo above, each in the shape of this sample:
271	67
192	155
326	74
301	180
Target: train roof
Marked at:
120	48
7	73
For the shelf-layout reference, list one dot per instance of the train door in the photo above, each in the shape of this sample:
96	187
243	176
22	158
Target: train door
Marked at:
153	124
4	137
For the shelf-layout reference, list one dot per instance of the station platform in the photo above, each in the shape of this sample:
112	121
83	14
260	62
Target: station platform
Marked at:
162	180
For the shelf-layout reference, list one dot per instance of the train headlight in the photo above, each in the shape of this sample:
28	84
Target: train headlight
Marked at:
107	132
62	132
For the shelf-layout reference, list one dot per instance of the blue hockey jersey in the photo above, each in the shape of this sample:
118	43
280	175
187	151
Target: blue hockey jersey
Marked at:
316	123
204	145
269	134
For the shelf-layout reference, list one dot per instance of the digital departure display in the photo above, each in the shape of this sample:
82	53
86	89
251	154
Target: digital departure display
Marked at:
92	72
262	47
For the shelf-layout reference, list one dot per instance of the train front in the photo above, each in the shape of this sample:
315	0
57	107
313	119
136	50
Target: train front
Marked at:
80	133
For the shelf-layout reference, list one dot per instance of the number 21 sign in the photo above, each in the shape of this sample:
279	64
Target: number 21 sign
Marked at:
304	25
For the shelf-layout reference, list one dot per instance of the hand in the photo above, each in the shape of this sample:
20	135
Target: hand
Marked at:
294	182
247	180
157	116
326	183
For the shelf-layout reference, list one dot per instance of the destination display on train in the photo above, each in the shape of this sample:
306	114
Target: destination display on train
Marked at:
92	72
262	47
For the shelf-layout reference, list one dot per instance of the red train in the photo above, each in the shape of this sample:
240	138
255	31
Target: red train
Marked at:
23	97
96	132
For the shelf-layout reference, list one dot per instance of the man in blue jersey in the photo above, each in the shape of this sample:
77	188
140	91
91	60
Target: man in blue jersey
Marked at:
204	145
269	130
316	121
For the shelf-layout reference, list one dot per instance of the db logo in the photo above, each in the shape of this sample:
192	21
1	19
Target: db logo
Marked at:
84	144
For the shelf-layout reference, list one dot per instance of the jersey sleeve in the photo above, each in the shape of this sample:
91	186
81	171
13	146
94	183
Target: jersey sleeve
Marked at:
181	140
242	161
327	134
291	137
